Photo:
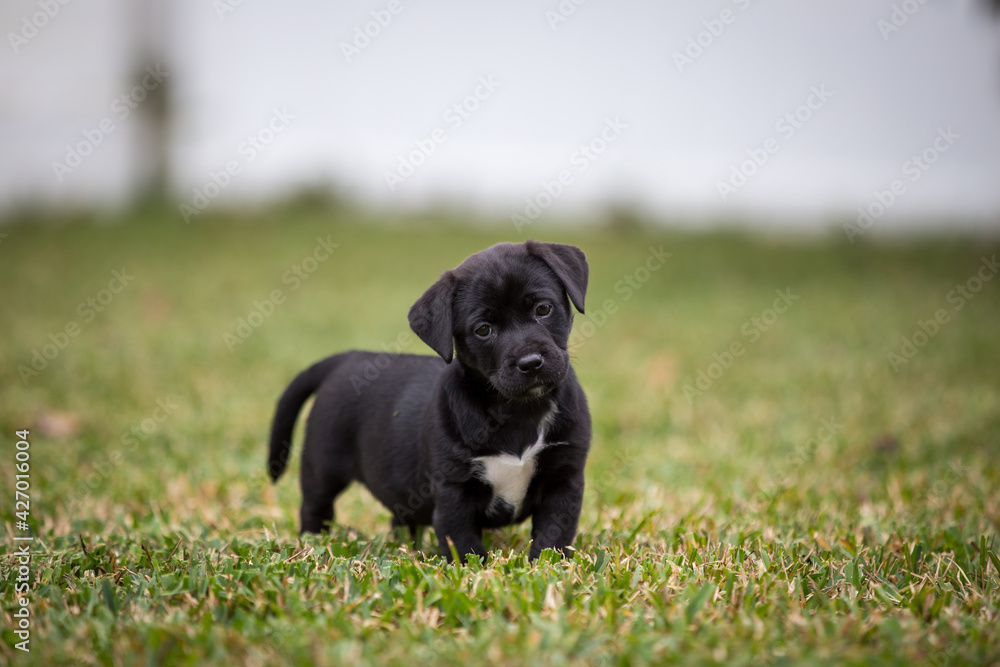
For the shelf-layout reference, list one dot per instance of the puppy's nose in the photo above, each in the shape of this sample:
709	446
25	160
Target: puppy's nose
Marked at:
530	362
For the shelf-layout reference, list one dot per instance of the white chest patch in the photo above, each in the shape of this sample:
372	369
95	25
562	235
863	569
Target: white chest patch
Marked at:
510	475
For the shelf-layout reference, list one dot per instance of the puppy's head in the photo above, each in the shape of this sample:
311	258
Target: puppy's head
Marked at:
506	314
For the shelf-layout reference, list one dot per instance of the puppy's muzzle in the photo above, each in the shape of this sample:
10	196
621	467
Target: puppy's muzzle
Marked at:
531	372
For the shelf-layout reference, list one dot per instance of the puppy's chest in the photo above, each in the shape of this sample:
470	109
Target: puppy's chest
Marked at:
510	476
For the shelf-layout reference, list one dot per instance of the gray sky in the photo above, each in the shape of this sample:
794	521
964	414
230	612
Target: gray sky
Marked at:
672	133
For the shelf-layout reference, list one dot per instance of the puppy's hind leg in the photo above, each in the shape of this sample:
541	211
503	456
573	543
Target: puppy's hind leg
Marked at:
316	513
324	476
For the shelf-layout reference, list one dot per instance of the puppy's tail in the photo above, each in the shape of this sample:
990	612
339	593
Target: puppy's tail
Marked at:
287	412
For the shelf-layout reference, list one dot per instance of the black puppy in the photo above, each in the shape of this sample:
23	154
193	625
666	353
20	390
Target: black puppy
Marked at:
488	441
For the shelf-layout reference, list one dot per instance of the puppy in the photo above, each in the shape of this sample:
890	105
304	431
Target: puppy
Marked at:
495	430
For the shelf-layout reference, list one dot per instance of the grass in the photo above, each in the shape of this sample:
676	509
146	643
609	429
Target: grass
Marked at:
807	504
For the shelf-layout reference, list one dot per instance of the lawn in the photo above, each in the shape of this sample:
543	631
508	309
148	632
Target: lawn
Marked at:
794	456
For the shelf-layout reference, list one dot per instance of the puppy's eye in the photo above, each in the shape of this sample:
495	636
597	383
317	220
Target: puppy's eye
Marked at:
484	330
543	309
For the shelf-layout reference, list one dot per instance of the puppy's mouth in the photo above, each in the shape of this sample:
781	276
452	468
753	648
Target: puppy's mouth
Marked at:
523	390
535	391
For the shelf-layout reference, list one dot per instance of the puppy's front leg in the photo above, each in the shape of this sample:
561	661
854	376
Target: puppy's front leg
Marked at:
554	523
453	520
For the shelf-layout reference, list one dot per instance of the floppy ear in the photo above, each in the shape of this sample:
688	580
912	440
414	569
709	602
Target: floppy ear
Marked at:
568	263
430	316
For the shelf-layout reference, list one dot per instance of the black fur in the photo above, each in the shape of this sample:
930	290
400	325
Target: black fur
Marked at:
412	433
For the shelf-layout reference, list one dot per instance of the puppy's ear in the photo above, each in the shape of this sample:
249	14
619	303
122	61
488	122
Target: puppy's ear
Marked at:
569	263
430	316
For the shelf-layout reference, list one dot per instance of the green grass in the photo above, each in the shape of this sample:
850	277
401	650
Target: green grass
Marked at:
811	505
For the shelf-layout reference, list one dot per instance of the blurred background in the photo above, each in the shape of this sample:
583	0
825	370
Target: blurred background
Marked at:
479	105
791	214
